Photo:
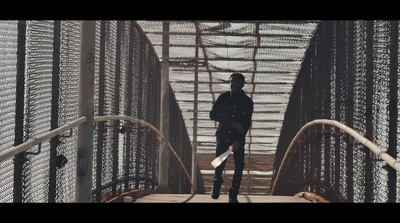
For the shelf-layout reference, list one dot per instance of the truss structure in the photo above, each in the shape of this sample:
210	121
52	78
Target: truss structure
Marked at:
268	53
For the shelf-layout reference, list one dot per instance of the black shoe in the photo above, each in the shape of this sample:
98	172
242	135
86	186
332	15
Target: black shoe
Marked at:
233	196
216	188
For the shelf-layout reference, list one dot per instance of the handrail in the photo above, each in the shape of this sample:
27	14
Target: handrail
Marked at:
142	122
374	148
39	139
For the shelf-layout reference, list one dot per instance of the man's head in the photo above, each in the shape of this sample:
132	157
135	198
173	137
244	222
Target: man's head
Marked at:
237	82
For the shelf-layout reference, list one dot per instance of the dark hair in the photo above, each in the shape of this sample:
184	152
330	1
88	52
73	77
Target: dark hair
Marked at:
238	75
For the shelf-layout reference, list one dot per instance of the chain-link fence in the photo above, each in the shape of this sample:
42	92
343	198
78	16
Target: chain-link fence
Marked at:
39	74
350	73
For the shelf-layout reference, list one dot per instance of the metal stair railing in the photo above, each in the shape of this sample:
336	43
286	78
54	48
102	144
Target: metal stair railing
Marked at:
41	138
23	147
364	141
161	137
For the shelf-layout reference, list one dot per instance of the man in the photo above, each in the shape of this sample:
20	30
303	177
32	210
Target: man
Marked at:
233	110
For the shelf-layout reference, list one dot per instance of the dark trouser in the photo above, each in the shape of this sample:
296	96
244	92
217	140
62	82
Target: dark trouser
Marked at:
238	157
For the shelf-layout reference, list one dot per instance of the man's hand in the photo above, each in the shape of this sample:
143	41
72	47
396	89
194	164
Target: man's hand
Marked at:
237	126
235	146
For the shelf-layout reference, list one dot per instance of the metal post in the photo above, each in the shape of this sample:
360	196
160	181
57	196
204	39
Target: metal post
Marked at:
393	107
350	109
195	110
19	112
164	113
369	91
84	164
54	110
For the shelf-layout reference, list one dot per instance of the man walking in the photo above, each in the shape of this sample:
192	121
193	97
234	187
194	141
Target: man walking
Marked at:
233	110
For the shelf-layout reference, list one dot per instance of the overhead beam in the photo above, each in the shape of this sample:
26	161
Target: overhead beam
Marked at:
231	46
192	59
254	112
278	35
240	71
253	21
254	128
259	92
255	102
258	143
227	82
259	120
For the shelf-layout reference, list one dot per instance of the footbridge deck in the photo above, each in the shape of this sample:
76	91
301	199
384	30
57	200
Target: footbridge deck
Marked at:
206	198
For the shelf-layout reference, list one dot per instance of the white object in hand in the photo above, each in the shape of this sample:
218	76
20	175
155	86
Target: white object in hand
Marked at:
217	161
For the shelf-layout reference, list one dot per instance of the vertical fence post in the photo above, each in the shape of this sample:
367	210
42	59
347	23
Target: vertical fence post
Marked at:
349	113
195	114
55	93
117	83
393	109
100	109
164	113
83	186
19	111
369	106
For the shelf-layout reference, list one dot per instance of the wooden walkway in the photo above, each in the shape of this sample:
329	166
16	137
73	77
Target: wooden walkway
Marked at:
206	198
257	175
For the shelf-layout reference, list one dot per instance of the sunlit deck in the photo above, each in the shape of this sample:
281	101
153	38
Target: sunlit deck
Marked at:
206	198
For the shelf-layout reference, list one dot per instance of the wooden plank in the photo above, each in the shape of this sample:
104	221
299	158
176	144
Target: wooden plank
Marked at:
246	184
206	198
253	157
251	183
231	166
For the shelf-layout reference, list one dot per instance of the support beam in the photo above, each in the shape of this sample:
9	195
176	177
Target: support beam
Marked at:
84	163
393	108
268	72
164	114
195	109
277	35
249	46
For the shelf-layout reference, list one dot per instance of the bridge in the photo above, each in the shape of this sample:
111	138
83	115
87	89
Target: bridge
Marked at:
118	111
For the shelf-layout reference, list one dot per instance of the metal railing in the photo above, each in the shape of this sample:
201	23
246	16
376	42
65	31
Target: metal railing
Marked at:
161	138
350	74
69	126
39	139
46	87
364	141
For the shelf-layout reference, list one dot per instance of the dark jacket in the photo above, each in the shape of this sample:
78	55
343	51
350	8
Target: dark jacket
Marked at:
232	107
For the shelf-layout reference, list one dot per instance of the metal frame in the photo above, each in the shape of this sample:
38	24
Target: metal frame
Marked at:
39	139
366	142
162	138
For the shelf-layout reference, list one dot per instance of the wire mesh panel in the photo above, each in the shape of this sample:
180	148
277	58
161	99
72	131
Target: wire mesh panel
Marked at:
67	109
380	106
8	62
350	74
127	81
39	92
